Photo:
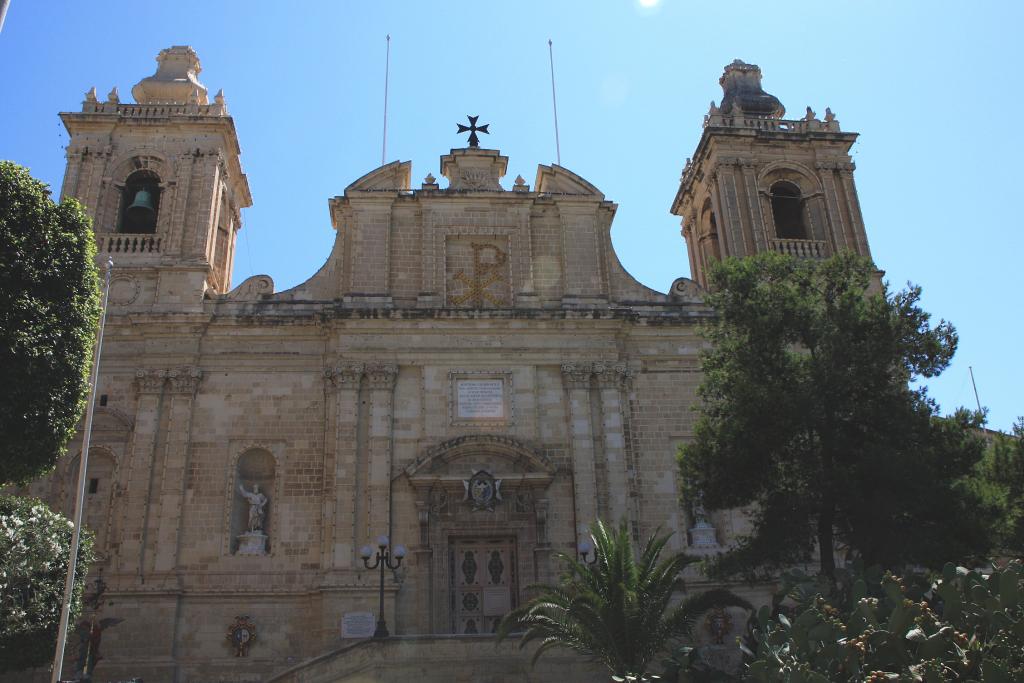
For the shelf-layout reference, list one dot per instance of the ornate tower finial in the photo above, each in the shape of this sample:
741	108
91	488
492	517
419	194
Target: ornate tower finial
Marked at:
741	83
175	80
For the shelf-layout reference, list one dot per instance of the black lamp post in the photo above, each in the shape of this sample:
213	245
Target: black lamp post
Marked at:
384	557
585	547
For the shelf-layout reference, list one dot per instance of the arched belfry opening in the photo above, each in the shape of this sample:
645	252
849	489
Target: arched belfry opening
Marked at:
140	203
787	211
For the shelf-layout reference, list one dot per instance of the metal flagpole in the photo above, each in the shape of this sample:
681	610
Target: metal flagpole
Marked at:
4	4
83	463
554	102
977	401
387	70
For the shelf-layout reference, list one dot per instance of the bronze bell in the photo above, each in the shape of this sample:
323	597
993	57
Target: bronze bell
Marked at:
141	207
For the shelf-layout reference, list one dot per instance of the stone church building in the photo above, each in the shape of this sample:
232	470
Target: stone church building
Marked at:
471	373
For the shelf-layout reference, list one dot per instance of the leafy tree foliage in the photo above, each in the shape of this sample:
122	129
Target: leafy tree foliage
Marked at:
34	552
49	306
1001	482
619	609
960	626
810	418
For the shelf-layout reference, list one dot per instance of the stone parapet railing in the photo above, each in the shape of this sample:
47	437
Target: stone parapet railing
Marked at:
764	123
129	244
154	111
800	248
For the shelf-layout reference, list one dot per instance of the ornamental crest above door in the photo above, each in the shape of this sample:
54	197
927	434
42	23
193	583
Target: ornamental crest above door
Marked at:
482	490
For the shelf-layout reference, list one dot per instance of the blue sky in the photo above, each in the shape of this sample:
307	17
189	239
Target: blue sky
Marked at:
933	88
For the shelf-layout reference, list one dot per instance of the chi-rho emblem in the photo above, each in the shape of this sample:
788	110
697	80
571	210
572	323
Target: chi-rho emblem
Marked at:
483	491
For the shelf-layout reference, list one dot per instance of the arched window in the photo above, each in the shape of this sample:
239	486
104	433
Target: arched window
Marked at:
787	210
140	203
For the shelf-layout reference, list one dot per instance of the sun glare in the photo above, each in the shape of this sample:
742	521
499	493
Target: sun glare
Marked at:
648	3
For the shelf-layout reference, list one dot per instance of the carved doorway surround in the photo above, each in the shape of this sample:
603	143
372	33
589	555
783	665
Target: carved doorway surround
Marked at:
483	588
482	504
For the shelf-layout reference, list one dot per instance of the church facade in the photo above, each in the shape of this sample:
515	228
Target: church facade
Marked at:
471	374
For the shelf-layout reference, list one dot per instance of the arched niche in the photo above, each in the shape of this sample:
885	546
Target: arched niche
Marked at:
255	469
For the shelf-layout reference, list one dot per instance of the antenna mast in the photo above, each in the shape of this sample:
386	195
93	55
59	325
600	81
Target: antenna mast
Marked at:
977	401
387	69
554	102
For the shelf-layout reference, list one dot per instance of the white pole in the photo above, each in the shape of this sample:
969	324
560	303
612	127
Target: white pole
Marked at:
387	69
83	463
4	4
554	102
977	401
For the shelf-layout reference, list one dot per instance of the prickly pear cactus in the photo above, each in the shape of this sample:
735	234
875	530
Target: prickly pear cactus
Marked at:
961	626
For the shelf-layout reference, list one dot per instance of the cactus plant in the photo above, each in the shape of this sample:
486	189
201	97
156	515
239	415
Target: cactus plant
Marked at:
960	625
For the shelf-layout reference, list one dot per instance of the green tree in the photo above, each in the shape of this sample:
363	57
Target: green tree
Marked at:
619	608
34	551
810	417
1001	482
49	306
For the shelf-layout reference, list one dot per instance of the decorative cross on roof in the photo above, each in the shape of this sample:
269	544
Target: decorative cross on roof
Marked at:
473	129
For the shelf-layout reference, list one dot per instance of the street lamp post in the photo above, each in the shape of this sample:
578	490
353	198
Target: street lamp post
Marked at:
585	547
383	560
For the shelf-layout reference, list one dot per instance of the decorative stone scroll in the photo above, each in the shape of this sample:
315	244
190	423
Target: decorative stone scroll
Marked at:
685	290
252	288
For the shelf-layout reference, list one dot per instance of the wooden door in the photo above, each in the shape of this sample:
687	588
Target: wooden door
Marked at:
482	583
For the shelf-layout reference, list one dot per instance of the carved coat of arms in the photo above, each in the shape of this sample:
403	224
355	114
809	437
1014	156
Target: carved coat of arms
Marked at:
483	491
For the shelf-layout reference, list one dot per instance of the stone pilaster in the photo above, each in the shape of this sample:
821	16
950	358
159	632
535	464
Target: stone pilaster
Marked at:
856	218
612	379
339	505
576	378
380	380
757	227
169	507
138	481
835	210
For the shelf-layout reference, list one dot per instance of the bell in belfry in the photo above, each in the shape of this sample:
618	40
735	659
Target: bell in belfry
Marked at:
141	208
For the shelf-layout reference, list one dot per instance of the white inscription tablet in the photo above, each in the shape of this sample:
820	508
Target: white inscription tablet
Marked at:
358	625
478	399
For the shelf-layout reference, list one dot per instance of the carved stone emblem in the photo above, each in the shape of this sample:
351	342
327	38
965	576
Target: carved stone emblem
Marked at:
241	634
488	264
483	491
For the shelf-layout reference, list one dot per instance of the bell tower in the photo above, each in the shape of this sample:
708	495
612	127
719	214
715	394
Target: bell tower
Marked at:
162	181
760	182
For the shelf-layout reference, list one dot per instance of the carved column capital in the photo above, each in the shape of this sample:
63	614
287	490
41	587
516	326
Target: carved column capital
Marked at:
577	375
150	381
381	375
184	380
345	375
612	375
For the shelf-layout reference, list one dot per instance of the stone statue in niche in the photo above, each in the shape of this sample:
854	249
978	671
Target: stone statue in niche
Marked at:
254	541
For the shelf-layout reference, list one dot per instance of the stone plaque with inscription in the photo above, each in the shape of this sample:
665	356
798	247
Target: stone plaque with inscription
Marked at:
480	399
496	601
358	625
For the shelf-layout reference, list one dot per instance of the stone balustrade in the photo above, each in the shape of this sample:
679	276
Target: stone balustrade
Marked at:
800	248
129	244
769	124
154	111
